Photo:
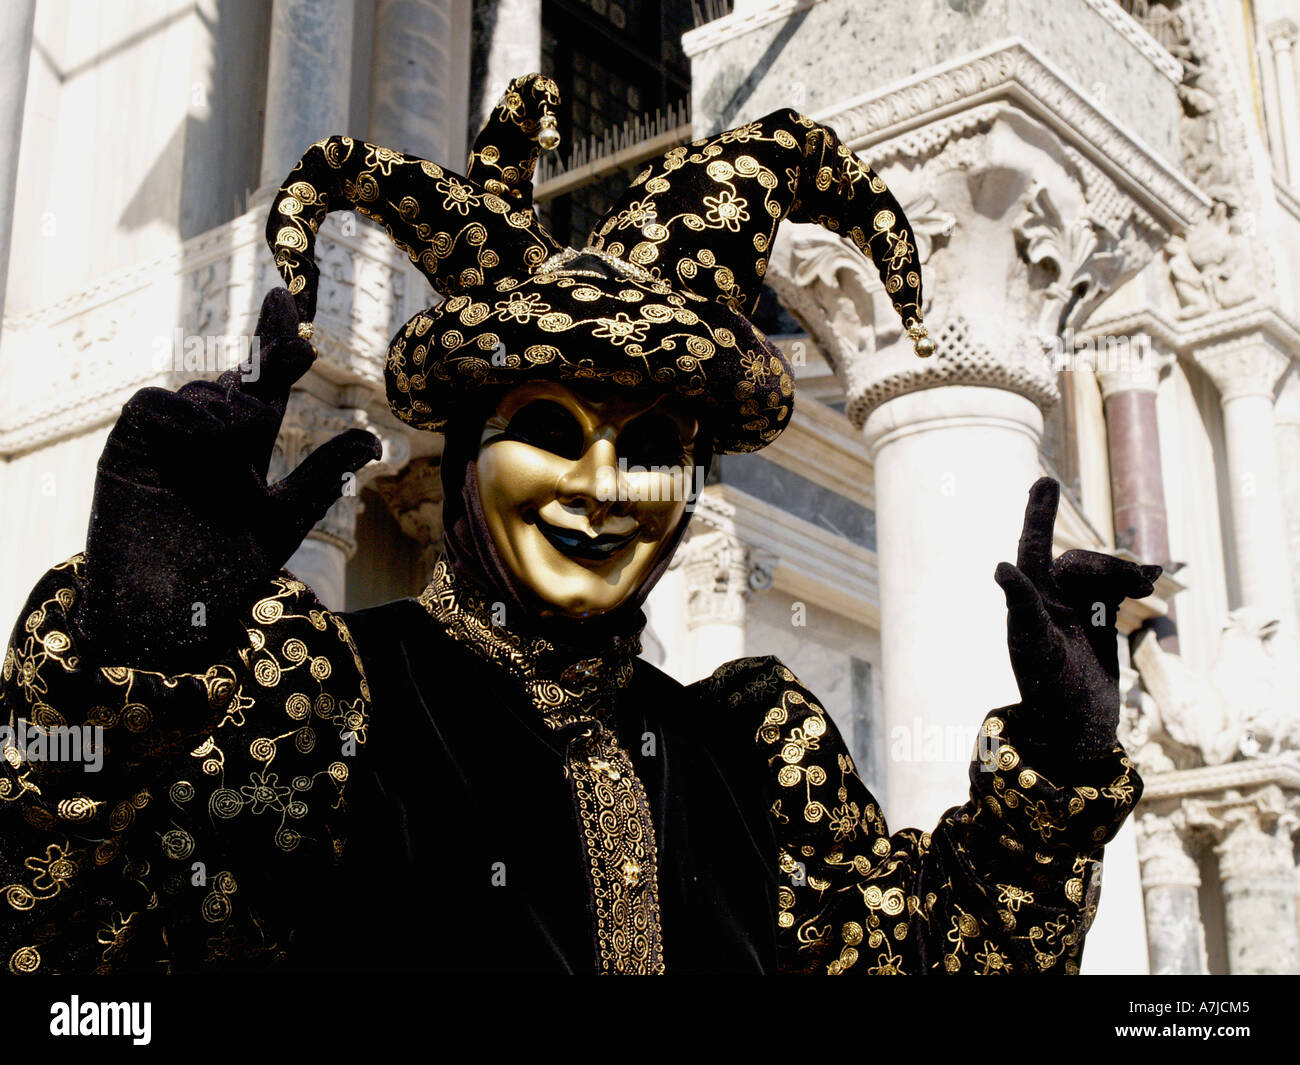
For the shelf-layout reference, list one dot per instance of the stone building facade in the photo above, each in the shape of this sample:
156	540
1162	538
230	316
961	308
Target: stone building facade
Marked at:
1106	196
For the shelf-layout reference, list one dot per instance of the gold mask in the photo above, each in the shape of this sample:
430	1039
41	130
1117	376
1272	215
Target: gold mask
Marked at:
583	491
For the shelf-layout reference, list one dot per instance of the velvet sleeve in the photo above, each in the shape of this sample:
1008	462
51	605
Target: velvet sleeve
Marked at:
1005	883
170	822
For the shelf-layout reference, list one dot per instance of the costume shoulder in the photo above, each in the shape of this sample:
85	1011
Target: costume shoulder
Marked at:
151	820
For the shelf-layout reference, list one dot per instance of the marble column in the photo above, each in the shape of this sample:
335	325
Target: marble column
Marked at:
1170	887
511	45
308	81
1282	39
417	100
715	565
321	560
1287	410
1136	476
1246	369
953	466
1257	869
16	21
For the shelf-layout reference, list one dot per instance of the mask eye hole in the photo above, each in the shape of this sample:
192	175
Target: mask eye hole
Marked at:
653	439
546	424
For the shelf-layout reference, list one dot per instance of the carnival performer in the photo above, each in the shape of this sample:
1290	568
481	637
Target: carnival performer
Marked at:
488	777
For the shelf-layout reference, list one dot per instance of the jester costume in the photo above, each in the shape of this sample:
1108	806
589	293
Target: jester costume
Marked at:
423	785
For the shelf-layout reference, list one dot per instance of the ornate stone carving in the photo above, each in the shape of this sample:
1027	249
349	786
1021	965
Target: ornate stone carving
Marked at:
1132	25
716	565
1217	265
72	365
893	125
1082	260
995	305
308	423
1208	267
1233	710
834	291
414	498
721	572
1257	867
1142	368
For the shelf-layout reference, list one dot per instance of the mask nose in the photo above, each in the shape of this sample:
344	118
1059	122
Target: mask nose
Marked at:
593	484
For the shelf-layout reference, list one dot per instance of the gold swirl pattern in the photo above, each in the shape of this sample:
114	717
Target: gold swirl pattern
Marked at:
998	887
100	877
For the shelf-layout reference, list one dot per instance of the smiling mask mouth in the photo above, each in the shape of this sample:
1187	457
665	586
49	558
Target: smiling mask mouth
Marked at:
574	544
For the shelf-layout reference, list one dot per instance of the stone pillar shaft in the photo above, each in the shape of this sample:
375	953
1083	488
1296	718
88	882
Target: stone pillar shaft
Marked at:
412	98
953	468
513	47
16	21
1259	903
1282	37
308	82
1259	525
1137	484
1170	887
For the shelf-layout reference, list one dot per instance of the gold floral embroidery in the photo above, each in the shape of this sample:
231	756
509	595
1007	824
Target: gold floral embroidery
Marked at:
893	897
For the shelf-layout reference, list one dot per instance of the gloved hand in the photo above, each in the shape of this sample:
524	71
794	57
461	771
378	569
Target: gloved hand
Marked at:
1061	633
184	530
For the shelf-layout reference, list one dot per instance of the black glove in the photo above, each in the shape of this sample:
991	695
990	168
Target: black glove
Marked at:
184	530
1061	633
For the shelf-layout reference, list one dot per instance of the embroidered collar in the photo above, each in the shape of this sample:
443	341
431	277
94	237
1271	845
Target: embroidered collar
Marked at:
564	685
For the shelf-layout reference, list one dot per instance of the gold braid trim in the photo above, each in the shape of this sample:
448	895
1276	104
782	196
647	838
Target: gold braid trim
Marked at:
623	865
566	692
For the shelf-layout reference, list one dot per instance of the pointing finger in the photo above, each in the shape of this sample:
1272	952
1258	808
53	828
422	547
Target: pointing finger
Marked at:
1034	557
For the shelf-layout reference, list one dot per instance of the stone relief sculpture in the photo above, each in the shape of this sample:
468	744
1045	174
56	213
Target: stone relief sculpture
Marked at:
1211	268
1229	711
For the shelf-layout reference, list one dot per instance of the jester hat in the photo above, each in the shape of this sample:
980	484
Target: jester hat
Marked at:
659	297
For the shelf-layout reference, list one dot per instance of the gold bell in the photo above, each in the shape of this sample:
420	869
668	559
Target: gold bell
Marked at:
305	329
921	342
548	136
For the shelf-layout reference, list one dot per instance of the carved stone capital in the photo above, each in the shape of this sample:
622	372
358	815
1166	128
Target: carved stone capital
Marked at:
1282	34
1025	235
1247	364
309	423
1255	838
1164	852
721	572
1124	364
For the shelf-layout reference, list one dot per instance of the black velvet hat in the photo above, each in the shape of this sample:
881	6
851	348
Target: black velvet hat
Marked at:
660	295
